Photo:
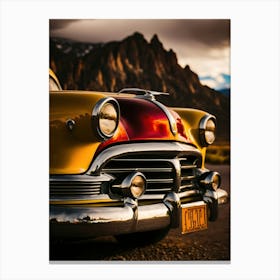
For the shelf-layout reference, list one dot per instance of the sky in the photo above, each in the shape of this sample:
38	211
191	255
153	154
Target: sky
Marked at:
203	44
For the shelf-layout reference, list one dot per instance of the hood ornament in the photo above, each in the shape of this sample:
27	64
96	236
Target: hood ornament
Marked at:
143	93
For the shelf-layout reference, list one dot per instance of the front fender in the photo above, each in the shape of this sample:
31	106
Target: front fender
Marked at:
191	120
71	150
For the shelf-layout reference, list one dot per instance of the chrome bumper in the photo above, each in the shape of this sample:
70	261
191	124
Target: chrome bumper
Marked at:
85	222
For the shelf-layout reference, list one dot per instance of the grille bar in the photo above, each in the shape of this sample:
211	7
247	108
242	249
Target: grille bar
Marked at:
74	188
142	169
188	167
63	193
183	178
157	190
187	174
160	181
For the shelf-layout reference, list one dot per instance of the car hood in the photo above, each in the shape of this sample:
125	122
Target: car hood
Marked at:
144	120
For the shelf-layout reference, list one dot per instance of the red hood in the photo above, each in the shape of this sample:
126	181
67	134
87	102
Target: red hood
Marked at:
143	120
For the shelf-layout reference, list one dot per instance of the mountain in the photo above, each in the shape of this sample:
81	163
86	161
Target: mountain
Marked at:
225	91
135	62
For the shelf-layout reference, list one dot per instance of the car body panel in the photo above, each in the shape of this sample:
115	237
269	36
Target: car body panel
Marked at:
88	196
141	120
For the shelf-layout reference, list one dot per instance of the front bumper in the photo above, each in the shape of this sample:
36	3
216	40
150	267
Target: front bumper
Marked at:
83	205
85	221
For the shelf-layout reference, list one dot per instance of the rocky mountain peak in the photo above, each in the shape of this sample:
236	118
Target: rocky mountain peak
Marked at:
156	42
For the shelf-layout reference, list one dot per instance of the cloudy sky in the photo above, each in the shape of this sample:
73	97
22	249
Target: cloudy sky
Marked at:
202	44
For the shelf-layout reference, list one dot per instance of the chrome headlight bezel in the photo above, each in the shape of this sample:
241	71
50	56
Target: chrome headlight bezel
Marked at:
97	116
207	130
133	186
210	180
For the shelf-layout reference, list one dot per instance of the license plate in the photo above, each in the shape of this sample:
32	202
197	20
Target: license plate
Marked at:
194	218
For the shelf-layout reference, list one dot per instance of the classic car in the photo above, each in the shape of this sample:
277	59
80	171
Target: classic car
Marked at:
123	164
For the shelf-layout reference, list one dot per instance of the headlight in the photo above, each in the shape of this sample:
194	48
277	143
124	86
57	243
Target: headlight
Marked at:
106	114
207	130
138	185
134	185
211	180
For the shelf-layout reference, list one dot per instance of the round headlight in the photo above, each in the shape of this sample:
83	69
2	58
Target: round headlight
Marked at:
133	185
211	180
207	130
138	185
106	117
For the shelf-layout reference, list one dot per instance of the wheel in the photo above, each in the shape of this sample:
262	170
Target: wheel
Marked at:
139	239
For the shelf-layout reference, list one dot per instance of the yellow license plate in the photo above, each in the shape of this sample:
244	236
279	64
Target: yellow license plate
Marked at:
194	218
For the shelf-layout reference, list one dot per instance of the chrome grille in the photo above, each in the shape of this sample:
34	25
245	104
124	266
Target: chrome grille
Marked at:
187	173
74	188
162	172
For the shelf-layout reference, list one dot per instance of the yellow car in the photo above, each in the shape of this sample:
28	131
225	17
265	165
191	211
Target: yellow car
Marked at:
124	164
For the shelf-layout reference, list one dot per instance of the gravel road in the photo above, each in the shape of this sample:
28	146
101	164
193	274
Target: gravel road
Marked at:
211	244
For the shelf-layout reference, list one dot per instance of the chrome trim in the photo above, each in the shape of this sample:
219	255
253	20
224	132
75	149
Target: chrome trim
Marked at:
70	124
210	194
79	179
76	186
191	204
188	193
154	157
211	198
160	181
100	198
88	221
207	181
97	221
147	94
202	129
146	170
95	116
171	120
139	148
173	203
223	196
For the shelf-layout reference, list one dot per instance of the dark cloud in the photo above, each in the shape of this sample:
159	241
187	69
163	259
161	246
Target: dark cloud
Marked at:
60	23
211	32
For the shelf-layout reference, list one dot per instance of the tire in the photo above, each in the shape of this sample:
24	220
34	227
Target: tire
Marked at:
139	239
